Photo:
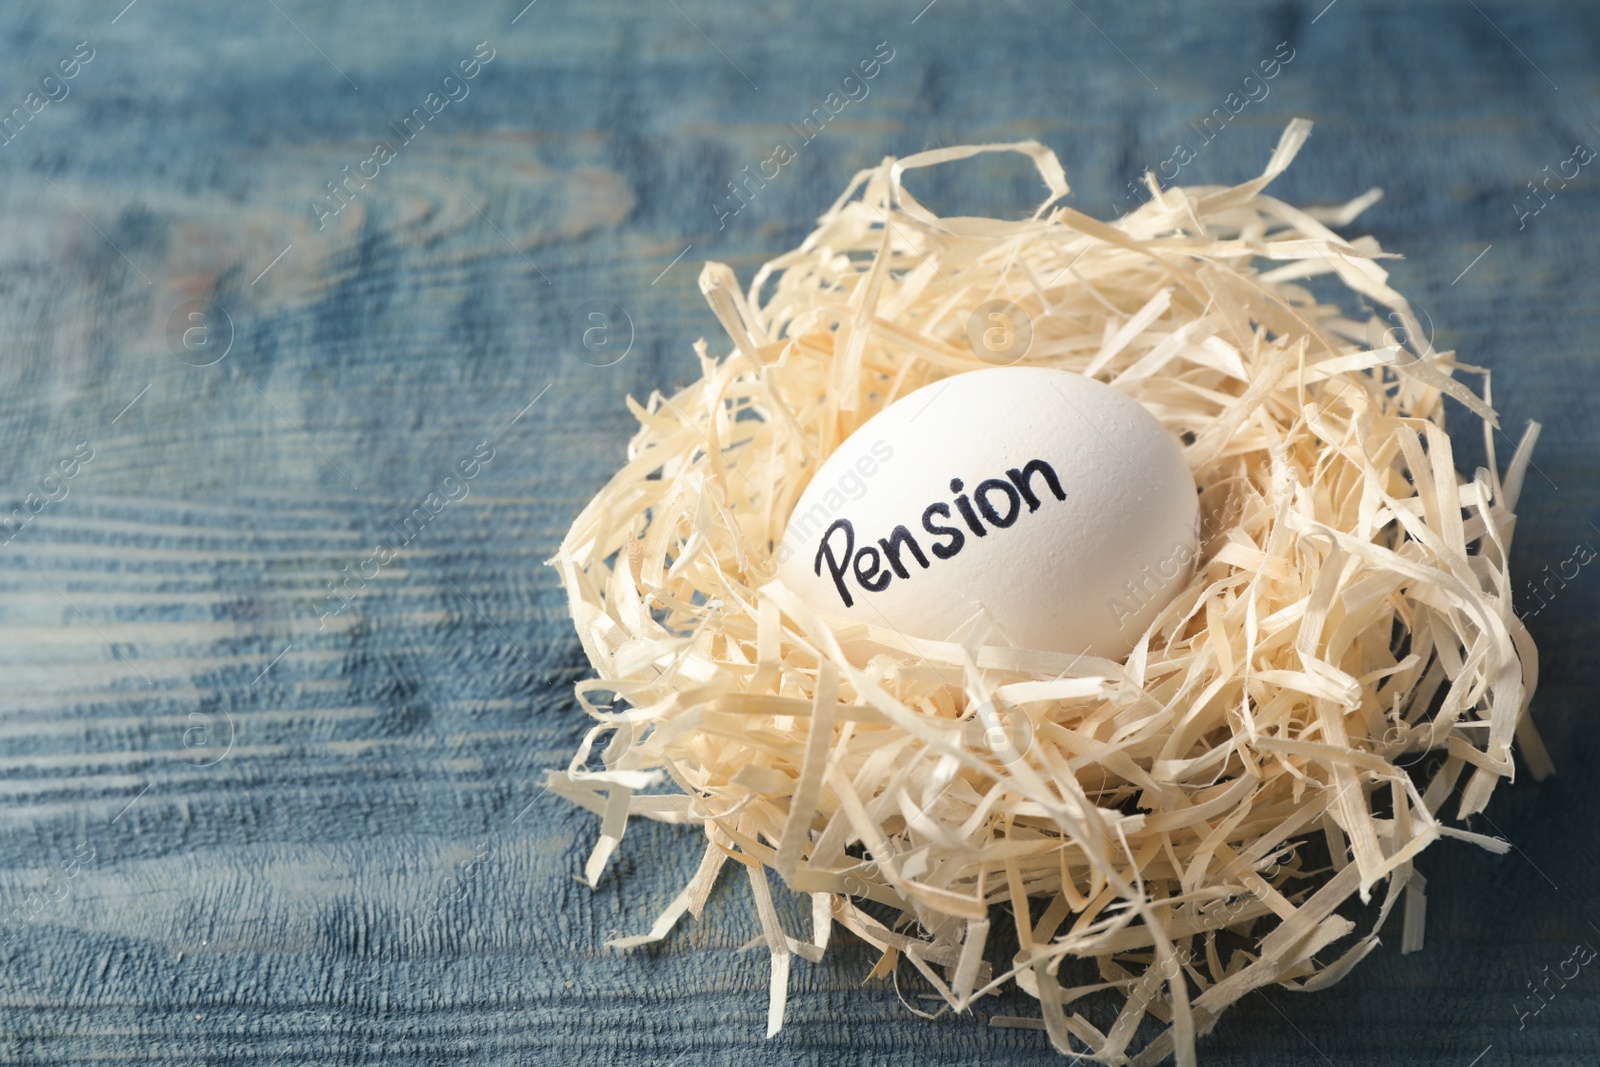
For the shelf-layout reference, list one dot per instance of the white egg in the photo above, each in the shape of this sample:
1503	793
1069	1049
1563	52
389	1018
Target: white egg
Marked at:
1054	505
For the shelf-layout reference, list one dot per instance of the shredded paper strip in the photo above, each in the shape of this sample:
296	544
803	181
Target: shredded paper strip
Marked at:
1238	804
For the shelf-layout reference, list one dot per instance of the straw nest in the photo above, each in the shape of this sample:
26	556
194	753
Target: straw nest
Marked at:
1180	828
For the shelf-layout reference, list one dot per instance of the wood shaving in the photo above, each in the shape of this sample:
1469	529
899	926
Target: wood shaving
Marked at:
1344	660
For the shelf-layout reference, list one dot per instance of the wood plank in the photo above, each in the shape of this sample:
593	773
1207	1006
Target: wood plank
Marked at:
275	801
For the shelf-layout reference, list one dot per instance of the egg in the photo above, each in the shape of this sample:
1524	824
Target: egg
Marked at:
1053	507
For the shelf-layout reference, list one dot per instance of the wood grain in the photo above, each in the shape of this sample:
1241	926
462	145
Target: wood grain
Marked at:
234	831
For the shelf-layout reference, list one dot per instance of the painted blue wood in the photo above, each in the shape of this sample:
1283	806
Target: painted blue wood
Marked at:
269	801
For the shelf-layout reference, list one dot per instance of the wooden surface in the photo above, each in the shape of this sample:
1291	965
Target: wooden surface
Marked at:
237	832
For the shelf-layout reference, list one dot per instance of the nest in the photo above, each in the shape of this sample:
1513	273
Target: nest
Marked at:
1180	828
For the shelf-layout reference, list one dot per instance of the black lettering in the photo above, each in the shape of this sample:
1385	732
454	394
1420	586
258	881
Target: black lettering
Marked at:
1021	478
957	538
965	507
868	576
837	564
981	496
891	550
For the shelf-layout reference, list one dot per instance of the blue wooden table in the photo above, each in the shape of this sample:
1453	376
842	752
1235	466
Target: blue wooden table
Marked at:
272	797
